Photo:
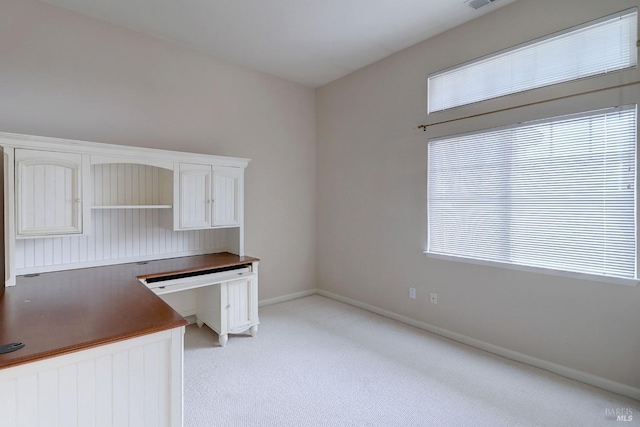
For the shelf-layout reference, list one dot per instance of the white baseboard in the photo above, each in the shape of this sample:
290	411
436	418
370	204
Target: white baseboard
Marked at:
573	374
287	297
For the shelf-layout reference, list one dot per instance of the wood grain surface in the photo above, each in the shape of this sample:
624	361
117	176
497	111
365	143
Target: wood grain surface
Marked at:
61	312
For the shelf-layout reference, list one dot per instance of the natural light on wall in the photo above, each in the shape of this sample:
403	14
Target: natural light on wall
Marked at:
598	47
555	194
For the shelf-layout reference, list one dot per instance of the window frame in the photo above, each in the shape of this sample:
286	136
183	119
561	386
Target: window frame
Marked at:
524	45
543	270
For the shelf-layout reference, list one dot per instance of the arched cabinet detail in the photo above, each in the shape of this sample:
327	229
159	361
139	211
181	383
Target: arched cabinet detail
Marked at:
49	193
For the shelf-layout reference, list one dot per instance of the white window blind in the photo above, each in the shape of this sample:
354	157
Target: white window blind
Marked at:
598	47
556	194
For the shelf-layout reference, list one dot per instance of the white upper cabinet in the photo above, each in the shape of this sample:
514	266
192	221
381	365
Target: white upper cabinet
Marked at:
226	185
208	196
48	193
195	196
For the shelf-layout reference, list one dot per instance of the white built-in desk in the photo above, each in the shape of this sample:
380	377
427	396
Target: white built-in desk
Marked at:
101	348
224	293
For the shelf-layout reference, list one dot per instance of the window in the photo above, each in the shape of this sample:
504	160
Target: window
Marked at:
556	194
599	47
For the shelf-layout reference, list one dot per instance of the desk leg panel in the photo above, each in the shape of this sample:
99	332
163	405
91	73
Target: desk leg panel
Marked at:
209	307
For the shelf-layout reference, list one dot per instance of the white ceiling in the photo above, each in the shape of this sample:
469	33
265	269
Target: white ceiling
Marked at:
311	42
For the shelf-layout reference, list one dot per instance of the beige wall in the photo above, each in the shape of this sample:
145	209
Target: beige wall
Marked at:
372	203
68	76
64	75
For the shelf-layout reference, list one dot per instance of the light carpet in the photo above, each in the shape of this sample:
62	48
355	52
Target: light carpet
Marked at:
320	362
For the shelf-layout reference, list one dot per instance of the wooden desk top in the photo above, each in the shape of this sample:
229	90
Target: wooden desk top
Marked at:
61	312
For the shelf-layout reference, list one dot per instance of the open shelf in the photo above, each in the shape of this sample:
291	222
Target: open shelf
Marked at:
131	186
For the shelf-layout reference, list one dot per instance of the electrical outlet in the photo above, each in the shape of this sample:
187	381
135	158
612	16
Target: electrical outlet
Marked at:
434	297
412	293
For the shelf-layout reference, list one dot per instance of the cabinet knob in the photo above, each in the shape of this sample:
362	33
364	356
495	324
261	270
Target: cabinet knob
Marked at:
78	200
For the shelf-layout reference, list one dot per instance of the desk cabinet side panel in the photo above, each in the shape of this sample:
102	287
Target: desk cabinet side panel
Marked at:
209	307
99	386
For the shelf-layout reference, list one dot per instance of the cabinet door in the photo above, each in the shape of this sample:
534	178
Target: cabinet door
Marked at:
226	184
241	308
48	189
195	196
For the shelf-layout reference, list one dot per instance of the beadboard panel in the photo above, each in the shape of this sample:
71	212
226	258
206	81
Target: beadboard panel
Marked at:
125	384
57	179
118	235
131	184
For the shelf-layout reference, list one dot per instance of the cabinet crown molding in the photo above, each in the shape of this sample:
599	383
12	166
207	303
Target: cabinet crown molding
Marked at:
126	153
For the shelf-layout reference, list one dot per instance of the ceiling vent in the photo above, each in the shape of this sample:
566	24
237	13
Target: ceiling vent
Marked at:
477	4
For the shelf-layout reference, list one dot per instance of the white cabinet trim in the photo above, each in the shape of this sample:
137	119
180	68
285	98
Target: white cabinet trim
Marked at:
114	150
